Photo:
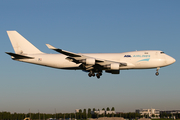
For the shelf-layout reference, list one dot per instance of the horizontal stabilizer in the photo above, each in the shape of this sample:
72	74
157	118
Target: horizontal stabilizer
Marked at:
18	56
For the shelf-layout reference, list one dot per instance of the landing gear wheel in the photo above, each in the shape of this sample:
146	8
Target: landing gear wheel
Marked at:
157	73
93	74
98	76
89	74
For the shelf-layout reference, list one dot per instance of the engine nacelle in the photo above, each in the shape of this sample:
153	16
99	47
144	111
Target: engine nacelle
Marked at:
113	66
89	61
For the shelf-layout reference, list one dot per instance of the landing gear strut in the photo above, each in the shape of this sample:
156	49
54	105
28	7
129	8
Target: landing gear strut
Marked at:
157	73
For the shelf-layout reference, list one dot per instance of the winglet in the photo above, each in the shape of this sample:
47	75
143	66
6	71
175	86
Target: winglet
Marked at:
50	46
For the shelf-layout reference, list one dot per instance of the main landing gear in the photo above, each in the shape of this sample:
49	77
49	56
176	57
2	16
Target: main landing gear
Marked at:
91	73
157	73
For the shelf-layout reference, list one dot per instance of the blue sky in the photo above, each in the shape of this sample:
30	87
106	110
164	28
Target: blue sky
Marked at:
89	27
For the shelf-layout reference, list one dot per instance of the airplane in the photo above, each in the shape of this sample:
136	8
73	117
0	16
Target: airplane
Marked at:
93	63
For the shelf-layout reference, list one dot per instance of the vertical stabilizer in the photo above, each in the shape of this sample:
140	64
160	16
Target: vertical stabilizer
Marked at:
21	45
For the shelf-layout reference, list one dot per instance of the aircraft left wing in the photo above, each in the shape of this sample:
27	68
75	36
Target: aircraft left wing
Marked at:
87	60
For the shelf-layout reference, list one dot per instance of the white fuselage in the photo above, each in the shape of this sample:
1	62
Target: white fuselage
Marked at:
135	60
94	63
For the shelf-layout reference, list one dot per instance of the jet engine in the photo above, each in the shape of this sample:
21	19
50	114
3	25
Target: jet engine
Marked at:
112	66
89	61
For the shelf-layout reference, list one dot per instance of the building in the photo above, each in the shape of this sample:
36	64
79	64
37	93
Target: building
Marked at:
170	111
148	112
77	110
110	112
100	112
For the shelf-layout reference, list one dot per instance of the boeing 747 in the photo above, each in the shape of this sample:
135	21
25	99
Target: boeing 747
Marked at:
93	63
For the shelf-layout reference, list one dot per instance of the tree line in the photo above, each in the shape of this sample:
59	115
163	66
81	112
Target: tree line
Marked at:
80	115
169	115
44	116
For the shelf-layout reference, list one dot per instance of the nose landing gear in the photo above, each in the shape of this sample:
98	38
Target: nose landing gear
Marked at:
157	73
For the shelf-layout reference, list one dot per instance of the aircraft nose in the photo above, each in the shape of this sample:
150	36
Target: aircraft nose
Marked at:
171	60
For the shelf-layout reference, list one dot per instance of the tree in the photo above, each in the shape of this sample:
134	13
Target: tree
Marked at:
89	113
89	110
107	109
103	109
80	114
112	109
146	115
84	114
84	111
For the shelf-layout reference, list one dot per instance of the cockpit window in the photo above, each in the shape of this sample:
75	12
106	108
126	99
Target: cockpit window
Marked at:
162	52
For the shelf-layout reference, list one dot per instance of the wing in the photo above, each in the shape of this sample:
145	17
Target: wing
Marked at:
89	62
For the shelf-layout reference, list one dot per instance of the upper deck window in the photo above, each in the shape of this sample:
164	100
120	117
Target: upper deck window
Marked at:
162	52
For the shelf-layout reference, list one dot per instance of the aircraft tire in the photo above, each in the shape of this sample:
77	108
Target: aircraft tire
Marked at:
157	73
89	74
98	76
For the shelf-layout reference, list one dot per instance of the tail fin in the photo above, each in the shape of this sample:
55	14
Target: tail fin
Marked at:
21	45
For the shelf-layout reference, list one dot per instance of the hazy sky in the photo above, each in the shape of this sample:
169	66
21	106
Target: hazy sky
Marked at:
89	26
